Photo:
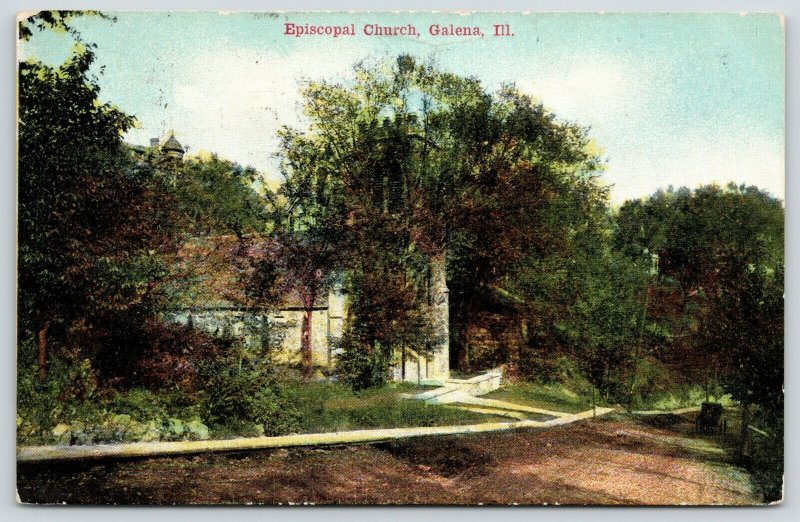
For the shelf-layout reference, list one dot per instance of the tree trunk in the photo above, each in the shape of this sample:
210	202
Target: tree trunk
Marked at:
463	356
41	355
403	363
461	346
265	336
634	369
306	353
743	452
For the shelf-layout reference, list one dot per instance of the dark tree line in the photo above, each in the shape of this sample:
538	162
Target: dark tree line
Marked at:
100	228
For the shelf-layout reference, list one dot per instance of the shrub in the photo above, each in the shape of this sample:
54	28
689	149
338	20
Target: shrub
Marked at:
70	390
249	396
132	416
130	352
359	368
170	356
767	459
70	408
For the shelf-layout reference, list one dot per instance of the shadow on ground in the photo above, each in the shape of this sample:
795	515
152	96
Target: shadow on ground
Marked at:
620	460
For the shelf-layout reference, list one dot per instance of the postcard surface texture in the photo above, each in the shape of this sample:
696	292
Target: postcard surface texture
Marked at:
400	258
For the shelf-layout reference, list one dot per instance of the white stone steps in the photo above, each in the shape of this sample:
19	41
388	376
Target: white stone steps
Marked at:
454	390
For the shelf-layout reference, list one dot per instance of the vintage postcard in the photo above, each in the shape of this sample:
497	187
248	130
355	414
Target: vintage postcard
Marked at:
400	258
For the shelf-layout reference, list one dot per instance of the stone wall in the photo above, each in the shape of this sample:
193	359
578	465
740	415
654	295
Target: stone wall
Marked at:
323	328
282	330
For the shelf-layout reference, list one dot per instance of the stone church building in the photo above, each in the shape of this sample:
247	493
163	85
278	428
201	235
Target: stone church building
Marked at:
212	309
283	327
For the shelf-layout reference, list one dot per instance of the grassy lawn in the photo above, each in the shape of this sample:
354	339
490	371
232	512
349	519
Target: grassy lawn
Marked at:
306	407
546	396
333	407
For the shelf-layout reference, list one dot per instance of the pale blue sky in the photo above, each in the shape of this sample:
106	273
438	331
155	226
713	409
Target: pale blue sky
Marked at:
673	99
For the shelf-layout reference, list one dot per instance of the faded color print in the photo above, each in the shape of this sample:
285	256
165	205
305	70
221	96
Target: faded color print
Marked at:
400	258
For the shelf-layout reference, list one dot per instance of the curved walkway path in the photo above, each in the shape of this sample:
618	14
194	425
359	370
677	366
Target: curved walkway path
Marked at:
147	449
456	393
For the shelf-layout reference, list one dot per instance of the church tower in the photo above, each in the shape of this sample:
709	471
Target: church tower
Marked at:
169	146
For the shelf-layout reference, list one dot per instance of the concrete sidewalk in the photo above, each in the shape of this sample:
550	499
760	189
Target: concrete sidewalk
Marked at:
679	411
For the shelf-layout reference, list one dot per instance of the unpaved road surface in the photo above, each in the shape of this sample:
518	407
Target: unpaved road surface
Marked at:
614	461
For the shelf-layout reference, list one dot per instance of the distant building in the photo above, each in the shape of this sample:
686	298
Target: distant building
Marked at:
167	146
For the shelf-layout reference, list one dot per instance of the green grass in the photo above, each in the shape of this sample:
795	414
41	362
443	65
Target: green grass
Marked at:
682	397
327	407
317	407
546	396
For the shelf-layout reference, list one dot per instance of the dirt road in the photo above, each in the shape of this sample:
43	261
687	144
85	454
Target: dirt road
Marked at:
614	461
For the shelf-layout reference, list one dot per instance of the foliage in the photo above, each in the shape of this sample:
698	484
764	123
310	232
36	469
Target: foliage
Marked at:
218	197
359	368
41	405
95	232
405	167
388	310
767	465
411	164
69	408
156	355
247	394
719	296
750	333
603	322
100	228
58	21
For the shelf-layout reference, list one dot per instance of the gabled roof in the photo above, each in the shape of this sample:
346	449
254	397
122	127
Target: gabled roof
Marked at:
211	280
170	143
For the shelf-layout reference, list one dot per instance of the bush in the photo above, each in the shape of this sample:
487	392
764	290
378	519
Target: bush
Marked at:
767	459
70	390
361	369
70	408
660	387
138	415
242	397
160	356
138	403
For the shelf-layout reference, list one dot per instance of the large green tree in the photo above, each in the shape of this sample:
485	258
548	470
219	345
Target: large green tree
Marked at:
92	229
304	249
217	197
98	228
719	294
429	165
708	241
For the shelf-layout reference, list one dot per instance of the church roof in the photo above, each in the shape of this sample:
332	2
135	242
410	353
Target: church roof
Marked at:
171	144
210	281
